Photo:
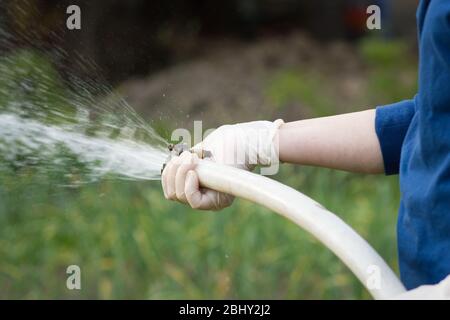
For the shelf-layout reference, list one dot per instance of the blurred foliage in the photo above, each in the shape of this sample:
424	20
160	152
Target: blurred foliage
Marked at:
385	54
389	66
132	243
290	86
31	87
392	69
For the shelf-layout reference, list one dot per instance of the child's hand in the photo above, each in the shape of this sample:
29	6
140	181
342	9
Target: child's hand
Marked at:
243	145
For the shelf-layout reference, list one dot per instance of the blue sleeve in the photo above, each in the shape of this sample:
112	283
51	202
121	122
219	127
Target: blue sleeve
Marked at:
391	123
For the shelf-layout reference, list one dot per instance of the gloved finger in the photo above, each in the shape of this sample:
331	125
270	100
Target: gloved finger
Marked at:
170	172
194	195
226	199
215	200
188	161
204	199
164	182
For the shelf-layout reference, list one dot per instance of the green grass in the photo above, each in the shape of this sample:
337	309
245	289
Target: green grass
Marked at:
131	243
392	70
290	86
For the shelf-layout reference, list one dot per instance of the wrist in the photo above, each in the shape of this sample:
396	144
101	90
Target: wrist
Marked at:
267	147
291	148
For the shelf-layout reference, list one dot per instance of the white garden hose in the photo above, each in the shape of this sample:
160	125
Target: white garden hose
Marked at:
349	246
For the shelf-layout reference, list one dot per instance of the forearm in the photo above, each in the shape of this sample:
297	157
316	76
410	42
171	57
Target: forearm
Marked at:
346	142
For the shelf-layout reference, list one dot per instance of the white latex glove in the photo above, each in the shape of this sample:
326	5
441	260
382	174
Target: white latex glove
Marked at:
440	291
242	145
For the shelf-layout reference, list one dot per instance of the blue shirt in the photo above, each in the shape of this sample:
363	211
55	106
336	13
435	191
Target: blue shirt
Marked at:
414	137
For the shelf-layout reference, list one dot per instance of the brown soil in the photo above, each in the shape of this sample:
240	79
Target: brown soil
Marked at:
228	82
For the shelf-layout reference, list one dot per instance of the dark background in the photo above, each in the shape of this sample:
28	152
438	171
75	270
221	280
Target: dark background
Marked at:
137	37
